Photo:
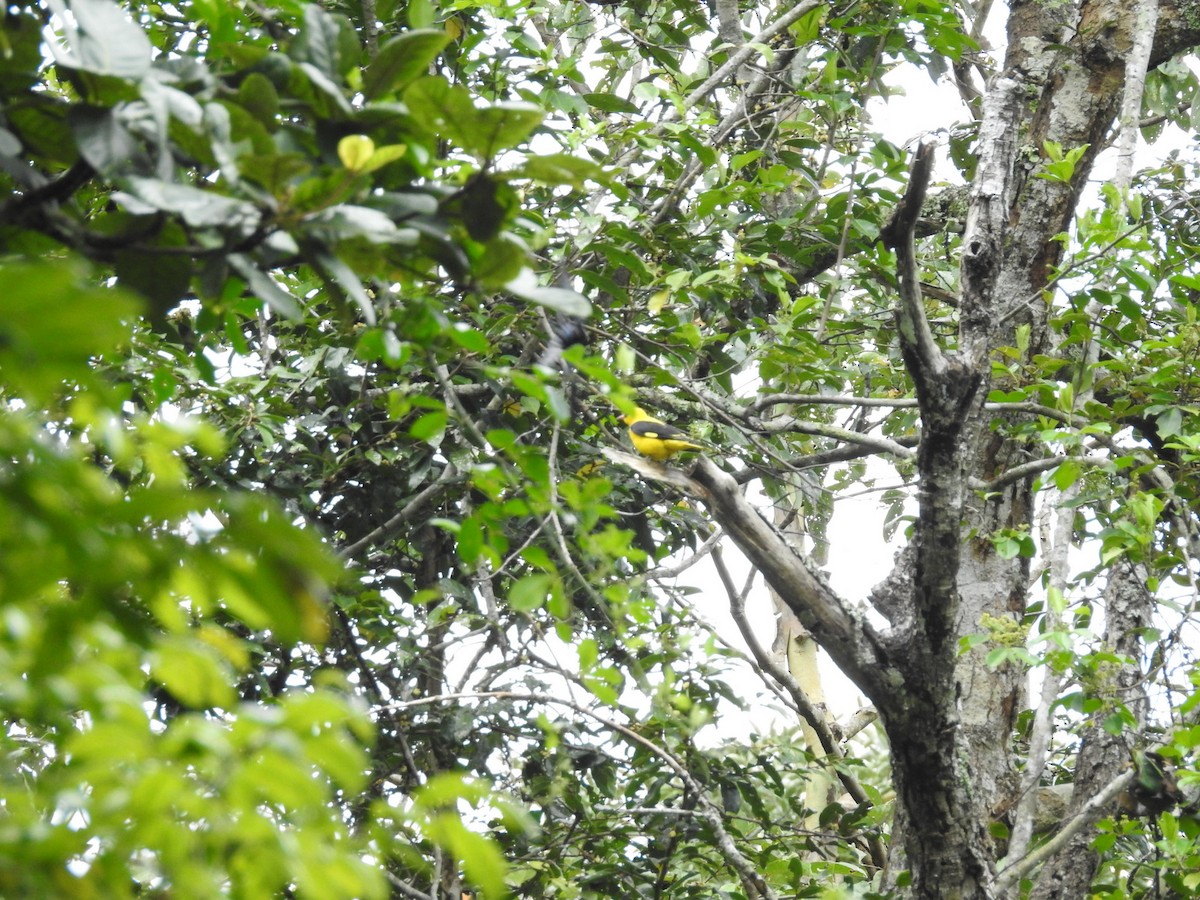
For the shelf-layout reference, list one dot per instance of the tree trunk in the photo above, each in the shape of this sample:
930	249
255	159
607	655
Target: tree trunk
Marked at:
1128	608
950	718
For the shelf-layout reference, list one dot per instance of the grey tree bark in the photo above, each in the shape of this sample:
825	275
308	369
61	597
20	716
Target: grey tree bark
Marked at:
949	717
1103	756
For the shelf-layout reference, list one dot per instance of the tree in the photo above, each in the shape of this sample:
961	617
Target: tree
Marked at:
324	571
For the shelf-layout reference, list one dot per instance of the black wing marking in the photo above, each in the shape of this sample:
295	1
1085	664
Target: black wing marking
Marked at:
660	431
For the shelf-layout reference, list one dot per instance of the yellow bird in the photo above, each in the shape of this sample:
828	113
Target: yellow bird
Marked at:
656	439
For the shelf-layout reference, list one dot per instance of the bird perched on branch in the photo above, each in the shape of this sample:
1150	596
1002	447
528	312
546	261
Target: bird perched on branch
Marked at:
656	439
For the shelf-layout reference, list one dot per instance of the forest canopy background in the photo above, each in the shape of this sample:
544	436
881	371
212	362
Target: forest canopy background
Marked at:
326	570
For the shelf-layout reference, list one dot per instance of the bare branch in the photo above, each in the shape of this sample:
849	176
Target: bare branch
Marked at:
729	22
899	235
1034	466
710	545
749	49
1057	546
408	890
1136	64
766	400
1014	872
814	717
799	426
845	634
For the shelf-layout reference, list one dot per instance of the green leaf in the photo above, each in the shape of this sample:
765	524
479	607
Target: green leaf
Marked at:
193	672
1170	422
199	208
101	39
326	89
450	111
530	592
602	690
265	288
52	322
1067	473
559	168
482	861
420	13
562	300
443	108
354	150
384	155
348	281
41	124
430	427
19	64
346	221
163	279
610	103
257	95
275	172
1061	168
104	141
504	125
480	204
470	540
503	259
322	42
402	60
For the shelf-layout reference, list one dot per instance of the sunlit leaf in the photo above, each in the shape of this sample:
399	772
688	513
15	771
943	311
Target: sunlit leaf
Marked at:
101	38
562	300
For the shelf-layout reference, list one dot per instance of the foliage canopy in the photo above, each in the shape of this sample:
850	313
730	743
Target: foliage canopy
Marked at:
320	577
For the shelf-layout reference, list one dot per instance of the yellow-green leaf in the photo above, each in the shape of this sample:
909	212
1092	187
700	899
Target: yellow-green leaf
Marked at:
355	152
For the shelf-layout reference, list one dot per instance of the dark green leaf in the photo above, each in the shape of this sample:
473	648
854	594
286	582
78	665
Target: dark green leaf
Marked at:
162	278
258	96
320	42
349	282
23	42
610	103
326	89
41	124
480	207
402	60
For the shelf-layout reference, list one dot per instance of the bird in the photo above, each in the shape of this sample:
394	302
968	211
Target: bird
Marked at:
656	439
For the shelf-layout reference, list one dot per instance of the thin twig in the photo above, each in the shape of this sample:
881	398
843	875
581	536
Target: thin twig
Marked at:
1017	869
